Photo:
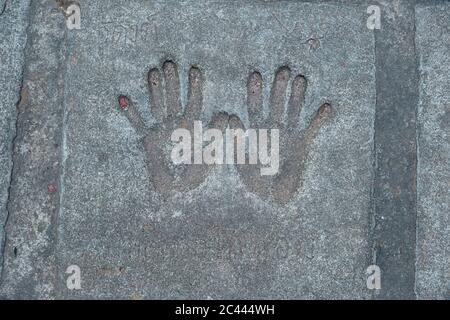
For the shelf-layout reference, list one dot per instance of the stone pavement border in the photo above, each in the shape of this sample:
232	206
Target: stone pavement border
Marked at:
13	25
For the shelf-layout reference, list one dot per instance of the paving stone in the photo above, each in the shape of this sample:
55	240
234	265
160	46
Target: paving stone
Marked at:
433	177
393	237
29	255
86	179
212	234
13	24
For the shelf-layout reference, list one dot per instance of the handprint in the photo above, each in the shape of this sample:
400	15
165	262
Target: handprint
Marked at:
294	142
166	107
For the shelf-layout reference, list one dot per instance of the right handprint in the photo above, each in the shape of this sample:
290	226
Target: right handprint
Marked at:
294	143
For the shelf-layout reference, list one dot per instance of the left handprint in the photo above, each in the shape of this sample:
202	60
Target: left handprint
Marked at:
166	107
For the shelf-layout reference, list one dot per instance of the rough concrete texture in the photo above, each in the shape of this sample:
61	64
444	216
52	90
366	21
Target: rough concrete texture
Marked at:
433	178
29	255
92	183
217	240
13	24
393	236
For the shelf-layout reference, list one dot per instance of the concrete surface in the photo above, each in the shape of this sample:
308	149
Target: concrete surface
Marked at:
393	236
92	185
29	256
433	178
108	199
13	23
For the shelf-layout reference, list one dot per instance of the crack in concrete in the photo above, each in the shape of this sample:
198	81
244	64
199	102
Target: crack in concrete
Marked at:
3	9
13	146
11	177
63	158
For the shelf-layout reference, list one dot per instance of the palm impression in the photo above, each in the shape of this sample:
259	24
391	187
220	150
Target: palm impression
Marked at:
294	143
166	107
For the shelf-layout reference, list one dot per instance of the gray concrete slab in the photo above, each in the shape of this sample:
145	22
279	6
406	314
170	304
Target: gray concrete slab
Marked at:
13	24
89	188
433	176
218	237
29	255
394	221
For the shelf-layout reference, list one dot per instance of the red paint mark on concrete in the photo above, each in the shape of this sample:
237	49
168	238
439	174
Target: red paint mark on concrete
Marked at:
51	188
123	102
